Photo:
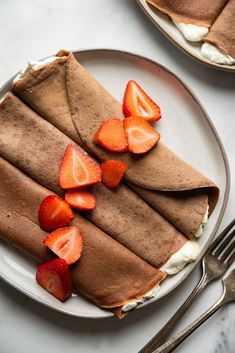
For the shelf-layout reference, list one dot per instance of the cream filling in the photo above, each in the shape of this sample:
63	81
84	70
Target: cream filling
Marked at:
133	303
191	32
34	65
188	253
214	54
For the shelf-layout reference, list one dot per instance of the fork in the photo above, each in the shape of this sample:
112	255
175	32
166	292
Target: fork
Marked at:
215	263
227	296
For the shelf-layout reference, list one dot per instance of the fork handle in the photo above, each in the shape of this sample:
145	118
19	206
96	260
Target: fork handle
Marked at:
162	335
179	338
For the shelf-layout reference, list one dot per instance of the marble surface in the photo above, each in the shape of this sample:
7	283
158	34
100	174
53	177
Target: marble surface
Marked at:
37	28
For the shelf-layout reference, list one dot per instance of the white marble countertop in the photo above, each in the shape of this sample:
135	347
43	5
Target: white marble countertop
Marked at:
37	28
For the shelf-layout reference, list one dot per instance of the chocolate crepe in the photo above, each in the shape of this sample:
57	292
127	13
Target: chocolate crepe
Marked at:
198	12
180	208
107	273
222	33
37	147
160	169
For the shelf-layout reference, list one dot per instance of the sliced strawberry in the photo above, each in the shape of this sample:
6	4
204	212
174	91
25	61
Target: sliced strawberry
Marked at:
81	199
54	276
111	136
66	243
112	173
78	169
136	102
54	212
140	135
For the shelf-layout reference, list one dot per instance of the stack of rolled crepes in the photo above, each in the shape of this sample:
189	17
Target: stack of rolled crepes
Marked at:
210	21
135	230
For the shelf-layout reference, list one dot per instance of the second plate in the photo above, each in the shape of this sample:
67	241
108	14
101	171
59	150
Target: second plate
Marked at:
166	26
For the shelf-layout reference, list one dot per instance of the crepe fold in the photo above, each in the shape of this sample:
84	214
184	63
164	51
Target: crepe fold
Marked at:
107	273
37	147
160	177
199	12
222	33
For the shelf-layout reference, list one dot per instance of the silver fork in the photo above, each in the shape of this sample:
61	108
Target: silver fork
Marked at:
215	263
227	296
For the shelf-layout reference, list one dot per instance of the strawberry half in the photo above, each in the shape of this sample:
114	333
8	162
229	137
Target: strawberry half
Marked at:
78	169
66	243
136	102
140	135
55	278
81	199
54	212
112	173
111	136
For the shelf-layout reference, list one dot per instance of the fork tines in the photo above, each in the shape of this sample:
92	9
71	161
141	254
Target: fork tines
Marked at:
224	245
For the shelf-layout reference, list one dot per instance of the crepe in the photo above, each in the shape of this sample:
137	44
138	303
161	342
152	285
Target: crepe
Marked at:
179	207
159	170
19	200
37	147
222	33
199	12
107	273
50	97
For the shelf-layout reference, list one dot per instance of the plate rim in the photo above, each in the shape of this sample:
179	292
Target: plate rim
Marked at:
177	44
224	202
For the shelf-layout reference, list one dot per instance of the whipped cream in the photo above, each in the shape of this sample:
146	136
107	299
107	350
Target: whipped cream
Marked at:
34	65
191	32
133	303
214	54
199	232
188	253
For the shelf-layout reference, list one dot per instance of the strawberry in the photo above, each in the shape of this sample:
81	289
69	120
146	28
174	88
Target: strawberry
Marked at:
55	278
140	135
136	102
111	136
81	199
112	173
54	212
66	243
78	169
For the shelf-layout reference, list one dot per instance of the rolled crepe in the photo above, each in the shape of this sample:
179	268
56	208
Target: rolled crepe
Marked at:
159	170
179	210
199	12
50	96
222	33
107	273
37	147
19	201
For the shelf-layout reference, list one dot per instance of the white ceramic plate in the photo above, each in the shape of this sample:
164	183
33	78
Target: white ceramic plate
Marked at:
185	128
166	26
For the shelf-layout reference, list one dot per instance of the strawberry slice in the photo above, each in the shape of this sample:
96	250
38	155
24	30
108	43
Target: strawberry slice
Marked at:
112	173
66	243
54	276
54	212
140	135
81	199
136	102
78	169
111	136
